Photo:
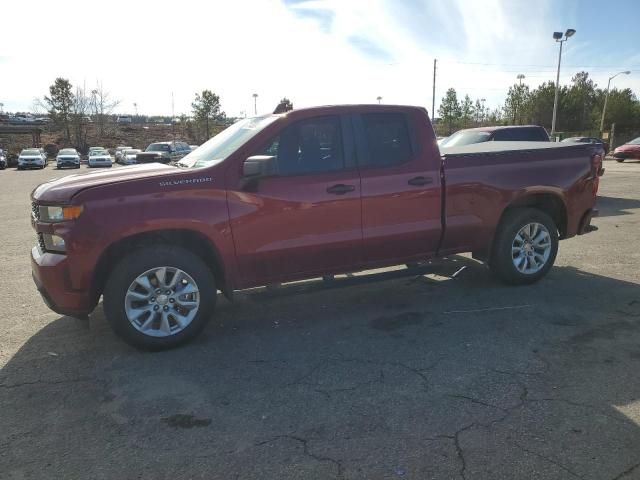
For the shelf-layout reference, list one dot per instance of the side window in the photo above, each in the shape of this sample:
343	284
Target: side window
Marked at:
387	137
536	135
504	135
308	146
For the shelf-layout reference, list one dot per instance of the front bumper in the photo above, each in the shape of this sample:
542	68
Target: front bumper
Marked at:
30	164
626	155
67	163
50	273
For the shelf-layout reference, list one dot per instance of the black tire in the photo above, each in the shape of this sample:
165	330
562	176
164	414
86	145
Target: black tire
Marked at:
619	160
501	261
138	262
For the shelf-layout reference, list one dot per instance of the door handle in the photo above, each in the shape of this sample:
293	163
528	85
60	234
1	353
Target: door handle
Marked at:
420	181
340	189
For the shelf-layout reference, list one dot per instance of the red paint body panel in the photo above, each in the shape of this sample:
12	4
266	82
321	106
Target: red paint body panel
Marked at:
285	228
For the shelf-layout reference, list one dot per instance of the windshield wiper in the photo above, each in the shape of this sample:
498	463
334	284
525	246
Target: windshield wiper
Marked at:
173	163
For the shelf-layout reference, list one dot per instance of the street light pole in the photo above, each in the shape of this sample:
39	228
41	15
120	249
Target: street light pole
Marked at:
255	103
558	38
606	98
519	77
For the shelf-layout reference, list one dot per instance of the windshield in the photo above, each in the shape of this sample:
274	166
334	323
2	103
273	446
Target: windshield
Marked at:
635	141
31	151
226	142
94	153
67	151
158	147
131	152
465	138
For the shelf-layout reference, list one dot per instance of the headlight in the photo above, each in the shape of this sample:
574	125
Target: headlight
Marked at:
60	214
54	243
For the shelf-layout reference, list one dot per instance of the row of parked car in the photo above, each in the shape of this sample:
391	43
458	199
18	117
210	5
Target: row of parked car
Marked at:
162	152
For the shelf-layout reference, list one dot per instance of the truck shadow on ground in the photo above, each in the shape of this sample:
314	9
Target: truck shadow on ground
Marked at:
613	206
418	377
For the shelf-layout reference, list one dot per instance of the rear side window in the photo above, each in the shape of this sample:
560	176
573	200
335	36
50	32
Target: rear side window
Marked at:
387	137
308	146
521	135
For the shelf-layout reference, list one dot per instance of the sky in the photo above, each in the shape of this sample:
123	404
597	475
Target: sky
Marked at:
314	52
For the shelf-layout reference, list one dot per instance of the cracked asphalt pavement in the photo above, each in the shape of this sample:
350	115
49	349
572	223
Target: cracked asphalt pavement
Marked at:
390	376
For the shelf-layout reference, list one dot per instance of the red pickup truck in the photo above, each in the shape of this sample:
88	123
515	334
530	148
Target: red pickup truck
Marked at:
289	196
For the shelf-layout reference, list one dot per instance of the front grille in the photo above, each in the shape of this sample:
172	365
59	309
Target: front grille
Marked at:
41	242
35	210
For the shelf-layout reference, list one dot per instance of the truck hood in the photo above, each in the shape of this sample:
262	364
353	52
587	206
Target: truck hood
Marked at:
61	190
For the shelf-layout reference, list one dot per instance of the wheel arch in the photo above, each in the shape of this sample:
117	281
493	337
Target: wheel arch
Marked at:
548	202
193	240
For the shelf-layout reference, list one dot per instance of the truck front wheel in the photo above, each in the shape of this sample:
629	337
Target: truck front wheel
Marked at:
525	246
159	297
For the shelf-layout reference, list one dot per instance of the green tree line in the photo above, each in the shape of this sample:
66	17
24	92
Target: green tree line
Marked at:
580	107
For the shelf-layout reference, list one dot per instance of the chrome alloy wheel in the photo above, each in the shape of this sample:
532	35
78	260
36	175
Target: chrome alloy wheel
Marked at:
162	301
531	248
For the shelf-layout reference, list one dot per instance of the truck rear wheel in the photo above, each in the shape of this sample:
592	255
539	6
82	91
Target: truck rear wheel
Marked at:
525	246
159	297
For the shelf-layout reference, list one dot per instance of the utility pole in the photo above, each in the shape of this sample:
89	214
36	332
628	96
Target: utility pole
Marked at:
173	128
558	38
433	95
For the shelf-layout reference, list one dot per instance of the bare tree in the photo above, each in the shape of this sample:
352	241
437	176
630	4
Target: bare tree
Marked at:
102	105
38	108
80	109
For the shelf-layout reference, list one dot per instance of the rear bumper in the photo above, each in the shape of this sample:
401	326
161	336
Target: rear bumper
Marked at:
585	224
51	275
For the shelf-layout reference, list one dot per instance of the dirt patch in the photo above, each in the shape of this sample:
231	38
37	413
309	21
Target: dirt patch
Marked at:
389	323
181	420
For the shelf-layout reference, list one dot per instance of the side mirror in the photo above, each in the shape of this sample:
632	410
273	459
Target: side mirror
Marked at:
258	166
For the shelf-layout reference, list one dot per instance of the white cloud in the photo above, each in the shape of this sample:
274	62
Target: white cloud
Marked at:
143	51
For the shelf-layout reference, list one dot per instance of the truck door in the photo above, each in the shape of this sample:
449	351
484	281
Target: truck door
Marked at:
400	181
304	218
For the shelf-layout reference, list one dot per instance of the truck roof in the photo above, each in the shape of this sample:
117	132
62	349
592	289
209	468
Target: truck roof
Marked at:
349	108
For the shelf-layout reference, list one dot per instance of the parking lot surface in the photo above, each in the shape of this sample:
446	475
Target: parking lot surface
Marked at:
408	377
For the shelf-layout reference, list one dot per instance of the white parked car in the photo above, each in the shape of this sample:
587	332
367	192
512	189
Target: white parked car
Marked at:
129	156
68	157
31	158
118	153
99	158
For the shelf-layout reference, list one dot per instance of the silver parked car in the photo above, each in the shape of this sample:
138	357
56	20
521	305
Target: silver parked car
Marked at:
68	157
31	158
99	158
118	153
129	157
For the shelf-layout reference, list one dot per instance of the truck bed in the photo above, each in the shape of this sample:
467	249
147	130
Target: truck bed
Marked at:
510	147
